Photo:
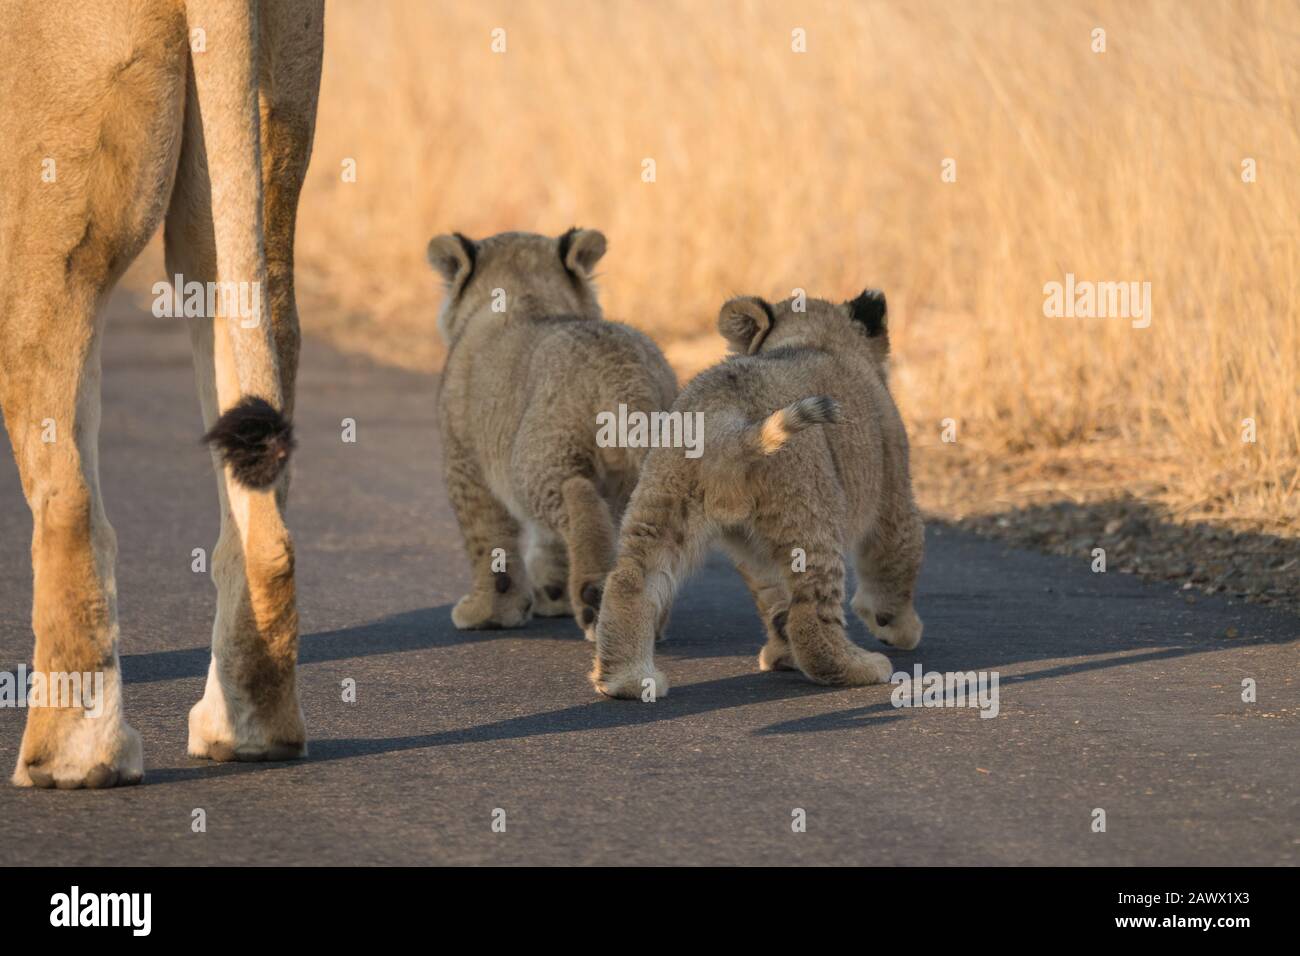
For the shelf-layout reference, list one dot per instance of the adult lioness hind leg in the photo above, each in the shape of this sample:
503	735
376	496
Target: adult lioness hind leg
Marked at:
87	155
53	422
250	708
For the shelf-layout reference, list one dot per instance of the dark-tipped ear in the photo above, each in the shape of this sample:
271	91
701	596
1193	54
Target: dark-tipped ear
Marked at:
580	250
869	309
452	257
744	322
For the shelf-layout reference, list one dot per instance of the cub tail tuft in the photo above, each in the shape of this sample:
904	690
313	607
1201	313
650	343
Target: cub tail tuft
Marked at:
777	428
254	440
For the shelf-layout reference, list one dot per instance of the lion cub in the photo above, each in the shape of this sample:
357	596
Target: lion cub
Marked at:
531	363
787	492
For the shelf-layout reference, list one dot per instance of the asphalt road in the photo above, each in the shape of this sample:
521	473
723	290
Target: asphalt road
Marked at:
1113	694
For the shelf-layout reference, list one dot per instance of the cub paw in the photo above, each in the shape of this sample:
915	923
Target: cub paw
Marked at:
637	682
479	611
588	605
551	601
776	656
867	667
850	667
902	630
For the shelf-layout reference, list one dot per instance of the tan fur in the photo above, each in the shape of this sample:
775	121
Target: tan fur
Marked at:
773	479
518	402
120	118
774	433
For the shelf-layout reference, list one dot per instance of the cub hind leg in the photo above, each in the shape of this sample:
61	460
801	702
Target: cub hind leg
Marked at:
815	627
560	492
889	560
588	529
814	624
500	595
547	557
661	539
772	598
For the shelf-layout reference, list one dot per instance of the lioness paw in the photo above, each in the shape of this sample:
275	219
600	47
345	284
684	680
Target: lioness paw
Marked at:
91	753
223	727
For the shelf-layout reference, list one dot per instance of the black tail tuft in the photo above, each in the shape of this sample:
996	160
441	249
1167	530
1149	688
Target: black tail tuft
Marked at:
818	410
254	440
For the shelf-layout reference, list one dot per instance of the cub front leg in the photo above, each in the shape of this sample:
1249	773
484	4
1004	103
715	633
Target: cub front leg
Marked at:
500	594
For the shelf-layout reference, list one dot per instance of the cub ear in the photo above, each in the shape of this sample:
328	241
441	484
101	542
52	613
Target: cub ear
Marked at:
869	309
744	322
580	250
452	257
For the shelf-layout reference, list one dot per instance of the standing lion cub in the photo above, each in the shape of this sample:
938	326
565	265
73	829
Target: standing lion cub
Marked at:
804	459
531	363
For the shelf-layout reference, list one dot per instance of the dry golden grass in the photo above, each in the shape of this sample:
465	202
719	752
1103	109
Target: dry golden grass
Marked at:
821	170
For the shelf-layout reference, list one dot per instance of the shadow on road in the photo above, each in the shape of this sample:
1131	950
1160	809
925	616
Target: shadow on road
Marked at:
596	715
1078	623
1139	537
431	628
723	631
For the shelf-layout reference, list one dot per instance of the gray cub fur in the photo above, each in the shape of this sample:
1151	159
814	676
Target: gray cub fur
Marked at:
531	362
804	454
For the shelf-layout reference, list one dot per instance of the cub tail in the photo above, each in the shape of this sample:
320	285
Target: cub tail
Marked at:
771	435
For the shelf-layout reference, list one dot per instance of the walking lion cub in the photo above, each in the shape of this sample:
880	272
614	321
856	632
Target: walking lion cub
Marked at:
531	364
787	492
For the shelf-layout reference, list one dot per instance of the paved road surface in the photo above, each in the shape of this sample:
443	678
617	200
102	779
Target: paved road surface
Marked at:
1113	694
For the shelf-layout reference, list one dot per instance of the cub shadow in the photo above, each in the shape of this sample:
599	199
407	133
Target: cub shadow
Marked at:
987	606
594	715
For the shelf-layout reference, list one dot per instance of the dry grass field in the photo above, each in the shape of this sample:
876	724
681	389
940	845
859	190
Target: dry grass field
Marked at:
823	170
